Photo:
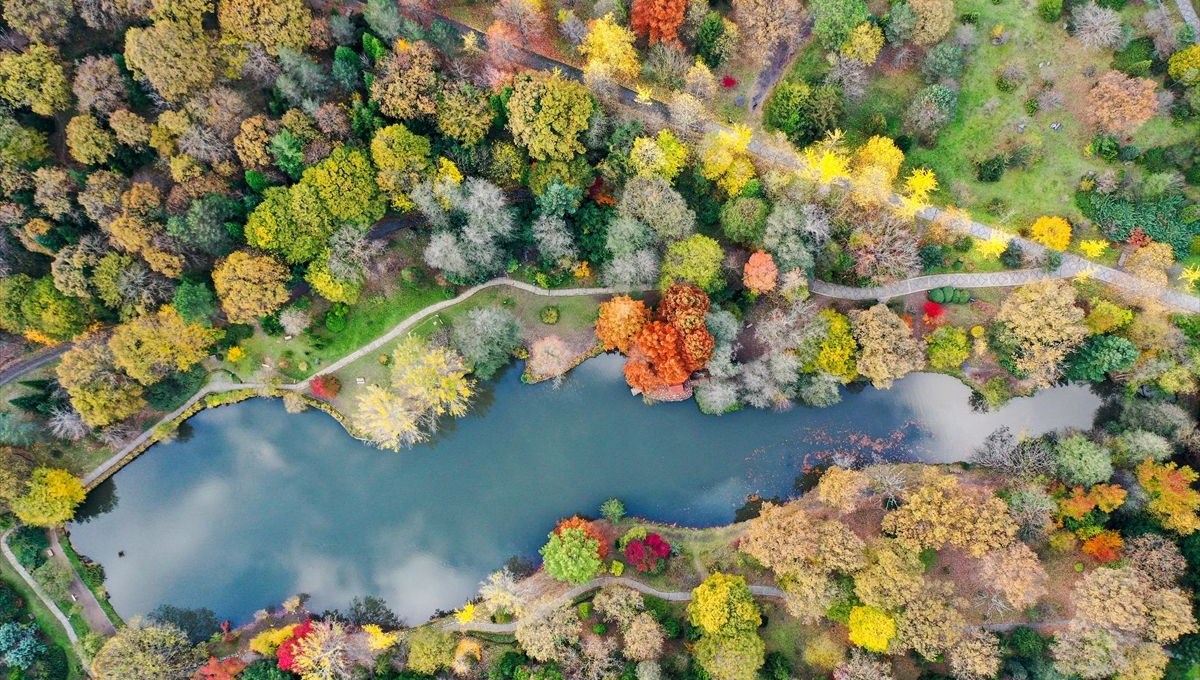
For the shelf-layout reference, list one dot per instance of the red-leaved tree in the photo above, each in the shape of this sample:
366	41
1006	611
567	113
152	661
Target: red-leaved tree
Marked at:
647	554
286	654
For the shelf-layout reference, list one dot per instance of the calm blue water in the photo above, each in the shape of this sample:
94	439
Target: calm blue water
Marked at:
258	504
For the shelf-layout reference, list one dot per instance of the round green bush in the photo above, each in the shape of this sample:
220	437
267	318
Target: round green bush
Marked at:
549	315
937	295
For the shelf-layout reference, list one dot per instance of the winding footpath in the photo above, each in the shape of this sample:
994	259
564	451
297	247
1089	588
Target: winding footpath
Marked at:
571	595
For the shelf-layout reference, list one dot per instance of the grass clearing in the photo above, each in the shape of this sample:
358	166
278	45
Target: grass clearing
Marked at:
45	620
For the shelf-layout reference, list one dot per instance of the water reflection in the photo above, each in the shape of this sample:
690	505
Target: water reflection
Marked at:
258	505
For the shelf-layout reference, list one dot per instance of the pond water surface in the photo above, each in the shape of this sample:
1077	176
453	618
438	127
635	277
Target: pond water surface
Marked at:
256	505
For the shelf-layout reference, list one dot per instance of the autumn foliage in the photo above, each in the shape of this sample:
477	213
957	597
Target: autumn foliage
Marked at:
668	350
218	669
620	321
647	554
1173	501
760	274
286	654
326	386
658	20
1104	547
588	528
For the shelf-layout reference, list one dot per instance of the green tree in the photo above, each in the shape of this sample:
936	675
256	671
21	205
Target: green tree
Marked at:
50	499
1082	462
743	219
50	314
19	645
205	226
834	19
88	142
547	113
269	23
572	555
697	260
1099	356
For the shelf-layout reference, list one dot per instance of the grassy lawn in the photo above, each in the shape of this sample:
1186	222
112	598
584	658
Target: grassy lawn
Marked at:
989	120
576	318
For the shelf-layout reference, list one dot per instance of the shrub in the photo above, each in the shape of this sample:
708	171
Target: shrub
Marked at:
871	628
1161	220
612	510
948	348
335	318
991	169
326	387
1012	257
549	315
1050	10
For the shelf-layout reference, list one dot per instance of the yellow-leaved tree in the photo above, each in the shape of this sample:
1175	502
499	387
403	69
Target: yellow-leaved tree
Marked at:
1052	232
426	383
50	499
610	45
724	158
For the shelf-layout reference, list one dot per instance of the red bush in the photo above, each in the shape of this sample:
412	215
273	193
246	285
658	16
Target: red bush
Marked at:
326	386
933	310
728	82
647	554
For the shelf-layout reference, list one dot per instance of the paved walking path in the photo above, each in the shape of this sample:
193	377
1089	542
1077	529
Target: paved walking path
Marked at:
89	606
594	584
37	589
919	284
1188	11
786	156
32	362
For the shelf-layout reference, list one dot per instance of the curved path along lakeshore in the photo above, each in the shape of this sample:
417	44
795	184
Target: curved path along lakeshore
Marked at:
569	596
897	289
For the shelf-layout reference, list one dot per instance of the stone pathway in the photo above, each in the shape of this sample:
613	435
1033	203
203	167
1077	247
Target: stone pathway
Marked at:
919	284
37	589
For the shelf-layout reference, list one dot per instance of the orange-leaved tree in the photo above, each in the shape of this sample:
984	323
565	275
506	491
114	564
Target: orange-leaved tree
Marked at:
620	320
658	20
1173	501
760	274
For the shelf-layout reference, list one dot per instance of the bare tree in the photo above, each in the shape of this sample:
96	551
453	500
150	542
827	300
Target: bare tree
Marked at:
1096	27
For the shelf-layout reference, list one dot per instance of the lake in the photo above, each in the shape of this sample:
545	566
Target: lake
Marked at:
255	505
